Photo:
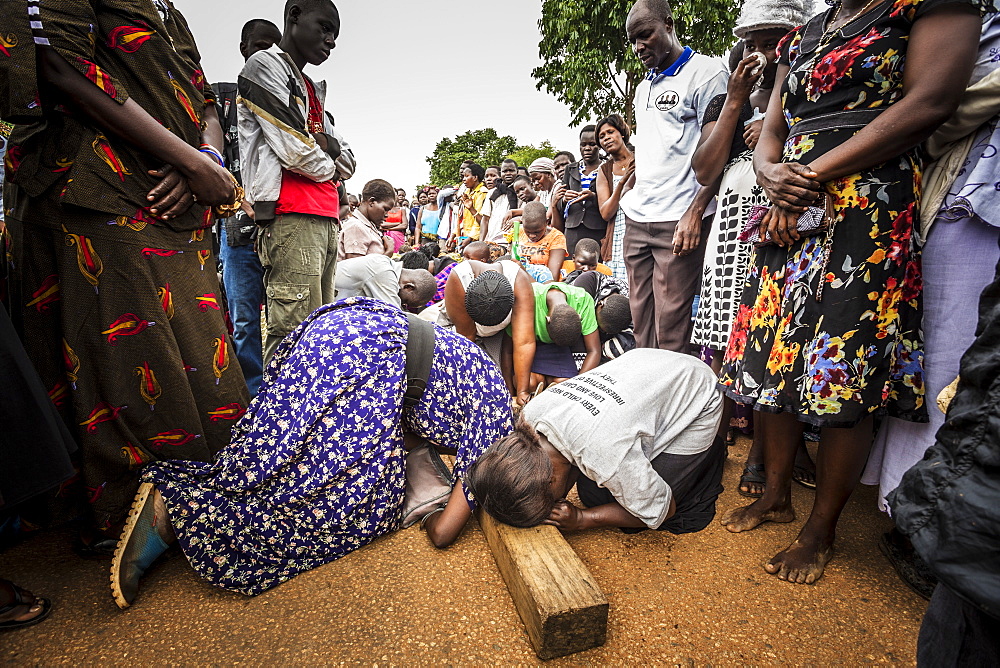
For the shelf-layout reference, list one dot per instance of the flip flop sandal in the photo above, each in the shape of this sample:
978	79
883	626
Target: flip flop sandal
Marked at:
19	601
730	440
801	475
752	473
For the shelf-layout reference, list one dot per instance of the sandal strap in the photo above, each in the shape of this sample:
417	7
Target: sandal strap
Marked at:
16	592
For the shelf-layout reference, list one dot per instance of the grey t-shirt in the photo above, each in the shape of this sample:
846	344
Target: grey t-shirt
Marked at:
611	422
374	276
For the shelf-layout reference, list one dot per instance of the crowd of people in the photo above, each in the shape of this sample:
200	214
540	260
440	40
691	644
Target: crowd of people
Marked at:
795	239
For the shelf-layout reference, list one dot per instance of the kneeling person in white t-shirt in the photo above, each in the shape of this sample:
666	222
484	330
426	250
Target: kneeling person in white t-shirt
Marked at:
638	436
379	277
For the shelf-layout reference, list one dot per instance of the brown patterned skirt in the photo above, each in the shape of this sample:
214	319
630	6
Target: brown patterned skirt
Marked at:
122	320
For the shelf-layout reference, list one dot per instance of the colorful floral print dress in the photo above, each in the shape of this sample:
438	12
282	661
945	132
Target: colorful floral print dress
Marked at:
315	467
857	350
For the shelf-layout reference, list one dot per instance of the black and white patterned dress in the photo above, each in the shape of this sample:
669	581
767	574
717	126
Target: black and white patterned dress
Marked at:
726	257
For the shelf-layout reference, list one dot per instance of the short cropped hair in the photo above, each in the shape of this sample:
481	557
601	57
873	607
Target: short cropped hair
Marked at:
511	480
306	5
521	177
424	284
254	24
565	327
414	260
476	169
588	128
477	250
378	190
658	8
588	245
615	315
533	213
568	154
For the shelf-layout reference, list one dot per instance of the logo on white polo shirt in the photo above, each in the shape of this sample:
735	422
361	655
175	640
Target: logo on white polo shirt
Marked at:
667	101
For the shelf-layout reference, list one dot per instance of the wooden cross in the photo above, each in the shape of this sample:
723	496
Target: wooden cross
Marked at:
557	598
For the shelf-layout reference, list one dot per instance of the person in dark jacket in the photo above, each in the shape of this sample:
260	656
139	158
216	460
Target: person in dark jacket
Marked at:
948	505
577	209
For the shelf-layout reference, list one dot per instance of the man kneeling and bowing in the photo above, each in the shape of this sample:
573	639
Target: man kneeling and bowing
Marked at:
638	436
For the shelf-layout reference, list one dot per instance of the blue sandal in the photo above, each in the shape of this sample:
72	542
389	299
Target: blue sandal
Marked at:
139	547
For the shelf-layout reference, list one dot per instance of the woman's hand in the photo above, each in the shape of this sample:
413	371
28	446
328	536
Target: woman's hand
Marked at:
752	133
781	226
523	398
789	184
172	196
210	183
742	79
567	517
558	193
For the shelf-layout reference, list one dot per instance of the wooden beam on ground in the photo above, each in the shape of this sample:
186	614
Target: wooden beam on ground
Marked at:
558	599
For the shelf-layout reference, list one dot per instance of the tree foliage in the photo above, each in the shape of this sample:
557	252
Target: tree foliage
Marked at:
483	146
525	155
588	64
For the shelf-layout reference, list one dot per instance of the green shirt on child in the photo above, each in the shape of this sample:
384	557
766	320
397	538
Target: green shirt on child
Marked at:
577	298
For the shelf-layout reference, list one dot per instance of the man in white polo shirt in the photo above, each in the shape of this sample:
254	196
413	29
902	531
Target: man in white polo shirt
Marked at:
665	233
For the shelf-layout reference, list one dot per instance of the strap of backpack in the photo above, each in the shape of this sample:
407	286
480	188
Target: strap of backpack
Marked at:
419	357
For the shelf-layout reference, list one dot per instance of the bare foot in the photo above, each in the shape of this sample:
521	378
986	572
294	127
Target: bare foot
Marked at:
803	561
749	517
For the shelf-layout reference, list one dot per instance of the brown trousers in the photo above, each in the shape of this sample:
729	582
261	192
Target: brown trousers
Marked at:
662	285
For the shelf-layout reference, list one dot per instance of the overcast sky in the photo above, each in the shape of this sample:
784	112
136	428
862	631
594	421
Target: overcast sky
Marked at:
406	73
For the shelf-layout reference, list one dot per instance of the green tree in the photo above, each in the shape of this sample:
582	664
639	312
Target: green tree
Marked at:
525	155
483	146
588	64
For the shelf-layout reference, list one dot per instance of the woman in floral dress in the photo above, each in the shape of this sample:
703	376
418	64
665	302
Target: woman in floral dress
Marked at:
315	469
828	329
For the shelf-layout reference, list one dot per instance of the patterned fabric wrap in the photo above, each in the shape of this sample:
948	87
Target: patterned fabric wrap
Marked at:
129	49
315	467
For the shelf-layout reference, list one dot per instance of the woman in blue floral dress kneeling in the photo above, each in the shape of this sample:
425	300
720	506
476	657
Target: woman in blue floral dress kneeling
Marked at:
315	469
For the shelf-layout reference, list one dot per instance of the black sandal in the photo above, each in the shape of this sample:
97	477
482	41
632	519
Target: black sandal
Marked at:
18	602
752	473
802	475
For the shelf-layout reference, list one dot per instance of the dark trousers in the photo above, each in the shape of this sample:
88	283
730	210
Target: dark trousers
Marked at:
695	480
957	633
662	285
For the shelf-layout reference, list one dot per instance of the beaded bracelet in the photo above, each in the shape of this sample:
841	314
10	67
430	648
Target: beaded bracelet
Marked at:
214	152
